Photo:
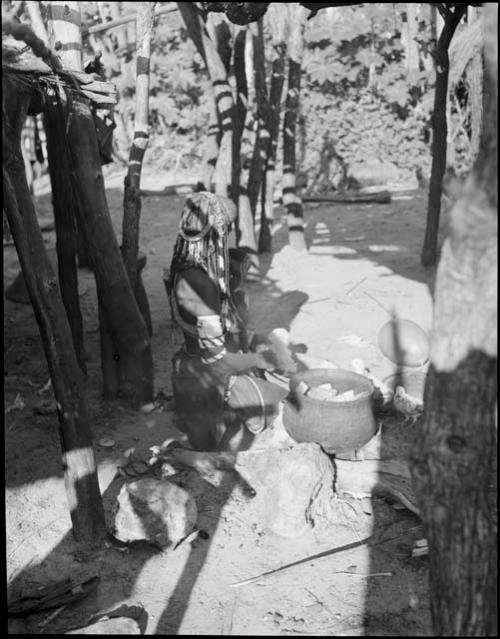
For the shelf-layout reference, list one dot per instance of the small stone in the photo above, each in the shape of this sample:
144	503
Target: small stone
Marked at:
148	408
156	511
106	442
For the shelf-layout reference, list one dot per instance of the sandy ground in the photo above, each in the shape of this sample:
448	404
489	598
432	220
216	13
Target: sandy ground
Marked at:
361	258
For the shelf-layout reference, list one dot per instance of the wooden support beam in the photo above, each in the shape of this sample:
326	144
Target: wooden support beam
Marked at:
124	320
80	470
131	187
64	216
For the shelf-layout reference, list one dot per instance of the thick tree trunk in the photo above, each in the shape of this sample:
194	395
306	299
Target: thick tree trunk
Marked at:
452	18
65	222
131	195
454	457
80	470
291	200
124	320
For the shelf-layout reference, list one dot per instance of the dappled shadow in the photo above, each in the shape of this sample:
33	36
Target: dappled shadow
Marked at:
274	308
385	235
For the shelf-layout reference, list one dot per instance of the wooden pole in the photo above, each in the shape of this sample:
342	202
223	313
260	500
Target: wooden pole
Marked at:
112	24
131	194
259	157
275	13
452	18
124	337
64	216
291	201
222	90
125	322
80	470
64	31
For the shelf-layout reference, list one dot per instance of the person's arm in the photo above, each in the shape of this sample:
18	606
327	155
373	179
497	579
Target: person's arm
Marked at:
237	363
198	295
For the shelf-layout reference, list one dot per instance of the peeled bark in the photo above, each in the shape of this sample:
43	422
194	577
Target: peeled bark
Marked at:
80	470
439	132
454	458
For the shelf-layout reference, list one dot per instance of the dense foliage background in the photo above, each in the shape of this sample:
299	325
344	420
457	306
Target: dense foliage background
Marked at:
366	91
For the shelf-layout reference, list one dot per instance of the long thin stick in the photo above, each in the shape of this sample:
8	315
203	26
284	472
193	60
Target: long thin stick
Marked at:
368	541
379	303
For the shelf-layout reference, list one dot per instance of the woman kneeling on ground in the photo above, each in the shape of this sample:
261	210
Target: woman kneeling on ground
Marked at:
220	400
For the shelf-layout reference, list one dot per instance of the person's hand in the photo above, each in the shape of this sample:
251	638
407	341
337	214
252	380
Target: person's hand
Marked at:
267	360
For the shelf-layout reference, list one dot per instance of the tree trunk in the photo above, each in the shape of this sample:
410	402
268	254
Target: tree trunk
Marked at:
65	222
80	470
452	18
454	456
64	24
291	201
131	195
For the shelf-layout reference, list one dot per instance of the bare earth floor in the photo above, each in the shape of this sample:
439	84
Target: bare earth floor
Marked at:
361	258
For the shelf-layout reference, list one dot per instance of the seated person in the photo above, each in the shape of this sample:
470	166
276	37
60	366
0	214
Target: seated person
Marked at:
220	403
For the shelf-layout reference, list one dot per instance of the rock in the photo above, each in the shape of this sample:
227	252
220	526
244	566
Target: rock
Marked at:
156	511
373	173
294	486
117	626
